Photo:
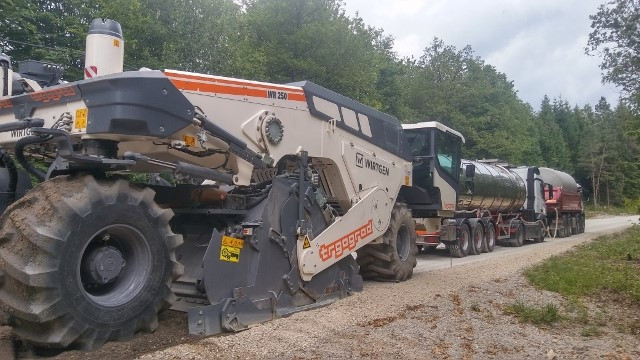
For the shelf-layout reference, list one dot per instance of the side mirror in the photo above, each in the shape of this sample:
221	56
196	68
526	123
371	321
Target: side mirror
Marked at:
550	190
470	171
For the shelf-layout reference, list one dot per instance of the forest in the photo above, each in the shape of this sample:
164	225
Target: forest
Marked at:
285	41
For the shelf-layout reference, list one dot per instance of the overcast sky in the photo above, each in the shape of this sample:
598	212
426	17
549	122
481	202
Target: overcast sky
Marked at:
538	44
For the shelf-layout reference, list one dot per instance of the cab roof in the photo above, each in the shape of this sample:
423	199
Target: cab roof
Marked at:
433	124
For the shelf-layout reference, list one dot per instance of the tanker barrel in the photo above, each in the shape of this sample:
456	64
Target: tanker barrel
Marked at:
492	188
558	179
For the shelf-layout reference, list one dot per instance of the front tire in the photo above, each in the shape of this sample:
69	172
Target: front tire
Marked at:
87	261
395	258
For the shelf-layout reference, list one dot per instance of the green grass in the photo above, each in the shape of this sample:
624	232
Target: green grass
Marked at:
547	314
609	263
594	211
590	330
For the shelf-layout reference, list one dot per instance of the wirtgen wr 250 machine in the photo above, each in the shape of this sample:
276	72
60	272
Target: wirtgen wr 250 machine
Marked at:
298	179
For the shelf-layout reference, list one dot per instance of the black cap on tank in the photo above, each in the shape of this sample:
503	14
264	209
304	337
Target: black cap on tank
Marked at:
105	27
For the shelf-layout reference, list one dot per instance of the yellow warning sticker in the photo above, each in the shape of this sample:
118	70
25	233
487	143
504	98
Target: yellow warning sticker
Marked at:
307	243
233	242
116	42
228	253
189	141
81	119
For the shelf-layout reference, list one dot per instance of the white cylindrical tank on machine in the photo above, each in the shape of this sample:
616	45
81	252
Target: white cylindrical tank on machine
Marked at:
104	49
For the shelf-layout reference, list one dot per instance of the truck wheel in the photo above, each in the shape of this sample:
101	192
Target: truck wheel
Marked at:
395	258
543	230
582	221
86	262
519	240
567	225
574	229
463	246
477	237
490	238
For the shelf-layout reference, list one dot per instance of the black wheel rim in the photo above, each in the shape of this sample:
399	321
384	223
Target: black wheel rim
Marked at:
123	284
403	242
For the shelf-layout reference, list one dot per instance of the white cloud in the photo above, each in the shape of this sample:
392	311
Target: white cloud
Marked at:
538	44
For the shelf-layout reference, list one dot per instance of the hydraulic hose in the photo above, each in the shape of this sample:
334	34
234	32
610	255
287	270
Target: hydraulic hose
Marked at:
19	154
7	162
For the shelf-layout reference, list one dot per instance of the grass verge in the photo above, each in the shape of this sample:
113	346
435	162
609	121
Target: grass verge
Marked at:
547	314
609	263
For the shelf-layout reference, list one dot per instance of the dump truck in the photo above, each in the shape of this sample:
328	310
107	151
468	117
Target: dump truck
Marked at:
564	203
234	201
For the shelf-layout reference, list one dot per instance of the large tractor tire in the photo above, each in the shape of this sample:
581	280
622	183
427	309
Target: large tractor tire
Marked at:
87	261
395	258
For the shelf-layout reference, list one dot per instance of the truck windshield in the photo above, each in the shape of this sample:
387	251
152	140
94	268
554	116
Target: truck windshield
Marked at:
448	153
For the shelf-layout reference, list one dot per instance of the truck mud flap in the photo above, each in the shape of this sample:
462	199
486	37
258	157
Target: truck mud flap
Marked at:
256	278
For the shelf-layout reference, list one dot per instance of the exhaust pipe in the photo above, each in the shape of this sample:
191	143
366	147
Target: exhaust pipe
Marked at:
104	49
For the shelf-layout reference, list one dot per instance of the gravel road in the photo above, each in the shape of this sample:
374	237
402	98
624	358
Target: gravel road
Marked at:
443	312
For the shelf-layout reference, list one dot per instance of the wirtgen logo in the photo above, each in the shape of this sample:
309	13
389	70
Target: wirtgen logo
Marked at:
361	162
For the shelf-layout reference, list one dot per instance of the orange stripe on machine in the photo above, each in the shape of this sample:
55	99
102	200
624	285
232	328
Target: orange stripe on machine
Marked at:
235	87
346	243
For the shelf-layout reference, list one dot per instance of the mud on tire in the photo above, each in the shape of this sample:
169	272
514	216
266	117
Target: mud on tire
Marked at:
46	239
395	258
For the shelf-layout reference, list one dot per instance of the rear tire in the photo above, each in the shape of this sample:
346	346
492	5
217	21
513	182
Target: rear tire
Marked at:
566	222
461	248
395	258
477	239
86	262
490	238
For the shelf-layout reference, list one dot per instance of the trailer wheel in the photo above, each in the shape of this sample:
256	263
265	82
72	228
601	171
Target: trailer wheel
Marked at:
477	239
87	262
395	258
574	229
490	238
463	246
582	223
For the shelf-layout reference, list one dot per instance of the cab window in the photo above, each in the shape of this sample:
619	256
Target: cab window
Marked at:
418	142
448	150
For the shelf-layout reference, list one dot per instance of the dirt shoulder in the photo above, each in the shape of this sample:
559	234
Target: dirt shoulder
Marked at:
453	313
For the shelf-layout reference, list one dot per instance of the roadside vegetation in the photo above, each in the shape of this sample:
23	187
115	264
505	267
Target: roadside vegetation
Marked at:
547	314
600	282
593	211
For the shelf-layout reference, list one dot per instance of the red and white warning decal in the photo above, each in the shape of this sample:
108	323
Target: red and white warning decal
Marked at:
91	71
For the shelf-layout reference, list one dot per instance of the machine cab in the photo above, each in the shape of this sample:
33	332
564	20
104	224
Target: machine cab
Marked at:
436	168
